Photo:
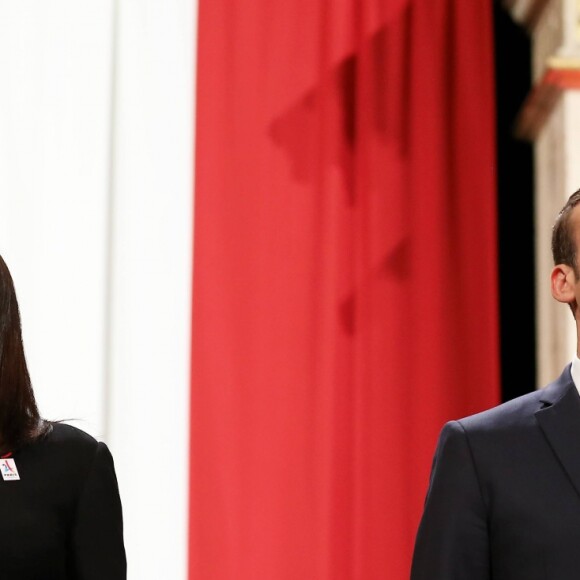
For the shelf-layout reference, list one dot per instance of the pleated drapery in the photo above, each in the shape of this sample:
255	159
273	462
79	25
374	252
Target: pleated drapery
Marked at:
345	276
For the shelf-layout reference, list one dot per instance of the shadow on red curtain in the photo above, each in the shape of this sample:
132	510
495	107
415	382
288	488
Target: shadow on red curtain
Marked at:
345	287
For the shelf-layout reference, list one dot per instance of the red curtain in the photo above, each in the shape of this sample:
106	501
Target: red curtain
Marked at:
345	286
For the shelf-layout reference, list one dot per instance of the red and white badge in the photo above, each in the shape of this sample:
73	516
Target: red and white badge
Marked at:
9	470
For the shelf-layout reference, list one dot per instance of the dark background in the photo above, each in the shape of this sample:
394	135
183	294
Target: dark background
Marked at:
515	190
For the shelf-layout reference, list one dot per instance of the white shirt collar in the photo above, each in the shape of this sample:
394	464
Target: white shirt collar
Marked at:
576	371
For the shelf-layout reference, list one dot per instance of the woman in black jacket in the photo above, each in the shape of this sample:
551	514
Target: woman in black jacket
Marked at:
60	509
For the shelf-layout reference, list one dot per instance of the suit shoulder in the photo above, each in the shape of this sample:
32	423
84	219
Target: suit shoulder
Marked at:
515	412
64	454
70	438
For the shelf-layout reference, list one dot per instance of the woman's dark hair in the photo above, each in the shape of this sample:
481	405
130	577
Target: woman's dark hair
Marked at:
20	421
563	242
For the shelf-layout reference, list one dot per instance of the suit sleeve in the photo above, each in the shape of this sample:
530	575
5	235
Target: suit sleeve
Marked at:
452	541
97	536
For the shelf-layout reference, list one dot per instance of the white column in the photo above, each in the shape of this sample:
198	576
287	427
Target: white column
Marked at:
151	263
551	117
555	338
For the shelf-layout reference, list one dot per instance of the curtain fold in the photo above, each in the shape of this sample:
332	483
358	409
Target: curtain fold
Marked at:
345	281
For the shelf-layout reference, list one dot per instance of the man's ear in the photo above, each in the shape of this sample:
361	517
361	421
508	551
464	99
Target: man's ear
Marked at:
563	281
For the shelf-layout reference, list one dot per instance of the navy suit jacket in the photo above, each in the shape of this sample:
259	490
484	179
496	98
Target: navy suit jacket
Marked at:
503	501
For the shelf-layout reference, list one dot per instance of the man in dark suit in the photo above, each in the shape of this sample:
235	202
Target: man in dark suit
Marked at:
504	494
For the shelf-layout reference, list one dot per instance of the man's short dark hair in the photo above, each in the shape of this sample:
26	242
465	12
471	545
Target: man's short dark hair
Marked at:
563	242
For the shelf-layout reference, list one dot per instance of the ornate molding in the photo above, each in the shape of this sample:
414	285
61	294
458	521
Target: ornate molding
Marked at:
561	73
526	12
555	58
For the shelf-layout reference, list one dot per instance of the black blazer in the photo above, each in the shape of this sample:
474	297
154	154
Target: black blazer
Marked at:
62	520
504	493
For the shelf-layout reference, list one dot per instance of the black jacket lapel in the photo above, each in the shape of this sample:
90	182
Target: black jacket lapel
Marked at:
560	421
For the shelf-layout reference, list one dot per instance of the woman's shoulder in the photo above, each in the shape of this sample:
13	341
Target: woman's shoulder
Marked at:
63	443
63	464
68	439
65	454
66	434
